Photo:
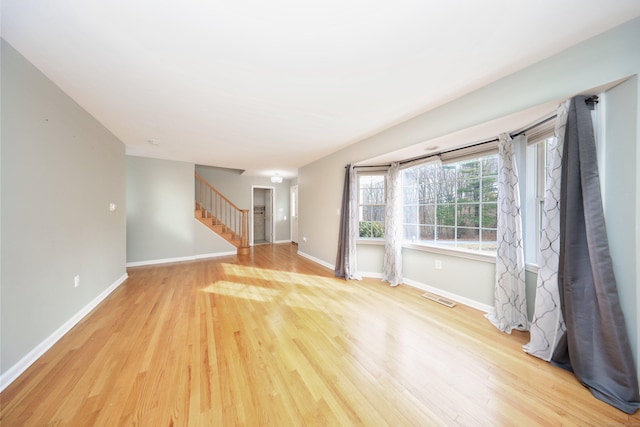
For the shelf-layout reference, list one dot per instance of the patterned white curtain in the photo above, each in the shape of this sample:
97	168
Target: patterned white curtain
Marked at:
510	302
392	269
548	325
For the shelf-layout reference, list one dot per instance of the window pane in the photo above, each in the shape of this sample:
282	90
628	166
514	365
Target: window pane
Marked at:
427	232
489	189
490	165
377	213
450	203
469	215
468	234
447	184
371	229
490	215
446	214
409	177
410	194
469	169
427	214
446	234
468	190
489	234
410	214
371	206
410	232
366	213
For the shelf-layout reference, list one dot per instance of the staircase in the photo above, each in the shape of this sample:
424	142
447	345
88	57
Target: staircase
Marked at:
223	217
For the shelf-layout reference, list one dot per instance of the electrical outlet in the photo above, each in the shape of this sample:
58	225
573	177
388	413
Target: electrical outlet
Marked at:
438	264
76	281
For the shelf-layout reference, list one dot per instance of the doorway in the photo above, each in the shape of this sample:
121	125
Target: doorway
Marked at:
262	215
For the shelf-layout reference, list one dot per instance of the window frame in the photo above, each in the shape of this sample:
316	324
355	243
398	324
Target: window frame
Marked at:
481	203
361	205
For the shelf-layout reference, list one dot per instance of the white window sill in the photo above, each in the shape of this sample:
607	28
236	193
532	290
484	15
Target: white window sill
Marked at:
460	253
372	241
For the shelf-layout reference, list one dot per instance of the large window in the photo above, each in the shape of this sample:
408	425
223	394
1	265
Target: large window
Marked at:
453	205
371	206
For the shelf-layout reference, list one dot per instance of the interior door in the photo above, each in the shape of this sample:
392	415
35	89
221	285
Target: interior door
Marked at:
294	214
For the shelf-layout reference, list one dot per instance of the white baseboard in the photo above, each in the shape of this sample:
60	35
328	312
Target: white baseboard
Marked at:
180	259
160	261
449	295
317	260
371	275
216	255
16	370
281	241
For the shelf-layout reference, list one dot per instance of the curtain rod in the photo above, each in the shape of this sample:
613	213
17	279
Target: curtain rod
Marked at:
590	101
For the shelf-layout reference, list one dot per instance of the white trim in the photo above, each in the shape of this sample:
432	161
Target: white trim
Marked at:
160	261
454	252
273	212
179	259
16	370
277	242
216	255
462	300
371	275
460	253
317	260
372	241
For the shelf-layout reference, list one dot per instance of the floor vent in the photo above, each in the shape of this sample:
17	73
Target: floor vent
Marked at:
439	300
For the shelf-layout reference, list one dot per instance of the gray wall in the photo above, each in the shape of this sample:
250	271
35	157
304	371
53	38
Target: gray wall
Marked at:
606	58
237	188
60	170
160	213
621	196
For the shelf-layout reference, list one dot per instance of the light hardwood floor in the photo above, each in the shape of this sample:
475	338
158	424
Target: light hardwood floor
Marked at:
274	339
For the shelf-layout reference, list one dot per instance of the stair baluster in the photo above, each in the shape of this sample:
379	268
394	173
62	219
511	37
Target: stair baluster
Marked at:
221	215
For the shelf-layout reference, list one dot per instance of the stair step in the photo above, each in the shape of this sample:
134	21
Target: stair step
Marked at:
218	228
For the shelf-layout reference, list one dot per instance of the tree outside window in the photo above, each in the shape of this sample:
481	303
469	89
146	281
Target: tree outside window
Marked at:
452	205
371	206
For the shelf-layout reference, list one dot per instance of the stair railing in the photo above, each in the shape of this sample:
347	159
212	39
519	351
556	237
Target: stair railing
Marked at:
222	211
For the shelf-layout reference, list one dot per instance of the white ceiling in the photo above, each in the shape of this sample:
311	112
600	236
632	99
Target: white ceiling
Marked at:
268	86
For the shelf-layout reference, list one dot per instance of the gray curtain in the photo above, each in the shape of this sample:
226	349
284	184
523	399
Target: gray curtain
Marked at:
346	265
595	345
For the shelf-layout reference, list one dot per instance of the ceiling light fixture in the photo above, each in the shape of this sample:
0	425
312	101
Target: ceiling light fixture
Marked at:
276	179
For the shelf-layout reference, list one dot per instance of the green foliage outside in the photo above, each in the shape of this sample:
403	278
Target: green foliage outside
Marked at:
371	229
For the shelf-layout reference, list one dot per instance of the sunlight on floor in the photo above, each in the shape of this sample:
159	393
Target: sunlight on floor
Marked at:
285	277
239	290
282	288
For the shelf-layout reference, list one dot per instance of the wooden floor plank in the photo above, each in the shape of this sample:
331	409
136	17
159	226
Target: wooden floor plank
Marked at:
273	339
